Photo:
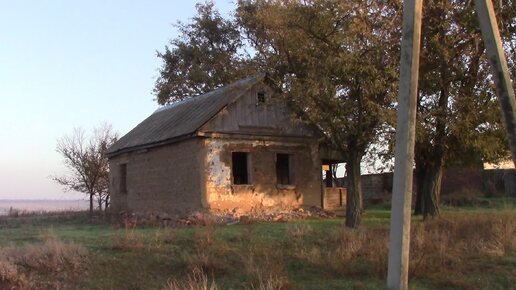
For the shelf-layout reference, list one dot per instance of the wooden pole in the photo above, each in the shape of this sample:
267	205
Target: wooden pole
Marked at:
399	239
499	68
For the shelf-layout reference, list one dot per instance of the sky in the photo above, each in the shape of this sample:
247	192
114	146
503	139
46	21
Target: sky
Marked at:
75	64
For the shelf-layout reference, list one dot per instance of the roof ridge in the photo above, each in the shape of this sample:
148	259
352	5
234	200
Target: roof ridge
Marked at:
207	94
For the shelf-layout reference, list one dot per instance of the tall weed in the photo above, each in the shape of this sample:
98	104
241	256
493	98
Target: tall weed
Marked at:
196	280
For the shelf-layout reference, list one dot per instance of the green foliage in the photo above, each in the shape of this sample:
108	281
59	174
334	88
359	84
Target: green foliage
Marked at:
458	121
458	115
336	64
335	60
209	53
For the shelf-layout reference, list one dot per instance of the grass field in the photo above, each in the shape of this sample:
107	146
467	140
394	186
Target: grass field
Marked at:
469	248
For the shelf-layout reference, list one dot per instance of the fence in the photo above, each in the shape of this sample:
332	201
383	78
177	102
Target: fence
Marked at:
492	182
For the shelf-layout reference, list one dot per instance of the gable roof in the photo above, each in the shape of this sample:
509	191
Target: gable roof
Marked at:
182	119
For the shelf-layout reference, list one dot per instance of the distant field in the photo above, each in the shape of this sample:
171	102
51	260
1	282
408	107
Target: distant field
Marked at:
42	205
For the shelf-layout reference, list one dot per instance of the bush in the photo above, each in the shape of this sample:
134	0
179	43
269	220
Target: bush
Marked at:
40	266
11	277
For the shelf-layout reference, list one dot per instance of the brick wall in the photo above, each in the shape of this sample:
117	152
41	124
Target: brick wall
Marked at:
372	184
335	199
160	179
455	180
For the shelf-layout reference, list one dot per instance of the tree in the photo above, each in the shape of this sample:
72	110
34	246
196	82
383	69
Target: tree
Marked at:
336	62
458	115
89	169
209	53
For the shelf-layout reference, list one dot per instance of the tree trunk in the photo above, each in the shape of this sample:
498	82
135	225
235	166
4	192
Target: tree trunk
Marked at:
354	196
91	205
431	191
420	177
100	201
106	202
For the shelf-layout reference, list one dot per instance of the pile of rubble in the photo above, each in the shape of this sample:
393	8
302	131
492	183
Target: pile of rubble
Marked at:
201	218
231	218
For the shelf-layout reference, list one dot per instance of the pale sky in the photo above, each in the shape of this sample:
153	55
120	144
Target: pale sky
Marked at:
67	64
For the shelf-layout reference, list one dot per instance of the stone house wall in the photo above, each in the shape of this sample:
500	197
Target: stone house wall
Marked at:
196	174
263	191
160	179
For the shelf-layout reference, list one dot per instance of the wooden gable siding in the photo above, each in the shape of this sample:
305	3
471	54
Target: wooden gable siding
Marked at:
248	116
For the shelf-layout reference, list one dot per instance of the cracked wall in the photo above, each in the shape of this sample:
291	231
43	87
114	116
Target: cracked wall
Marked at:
263	193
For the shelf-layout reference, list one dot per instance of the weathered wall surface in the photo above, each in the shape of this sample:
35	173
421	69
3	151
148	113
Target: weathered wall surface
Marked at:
183	177
161	179
454	181
264	191
335	199
249	116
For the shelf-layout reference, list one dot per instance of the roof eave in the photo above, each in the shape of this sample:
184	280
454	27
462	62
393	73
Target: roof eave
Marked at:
110	155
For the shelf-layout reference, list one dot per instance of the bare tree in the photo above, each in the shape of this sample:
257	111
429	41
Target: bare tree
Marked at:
84	157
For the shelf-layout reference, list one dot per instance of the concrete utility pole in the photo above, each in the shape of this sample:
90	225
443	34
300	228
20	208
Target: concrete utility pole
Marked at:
397	276
499	68
399	239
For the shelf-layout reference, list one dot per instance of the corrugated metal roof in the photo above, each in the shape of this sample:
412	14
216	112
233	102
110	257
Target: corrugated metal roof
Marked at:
181	119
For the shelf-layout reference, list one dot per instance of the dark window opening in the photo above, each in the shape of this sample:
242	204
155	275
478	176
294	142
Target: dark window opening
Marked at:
283	169
240	168
123	178
329	177
261	97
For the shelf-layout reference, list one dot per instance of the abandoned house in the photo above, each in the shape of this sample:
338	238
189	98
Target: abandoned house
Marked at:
233	149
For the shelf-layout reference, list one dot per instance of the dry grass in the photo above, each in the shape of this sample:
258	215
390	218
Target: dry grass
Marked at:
45	265
11	277
263	262
445	251
196	280
353	252
442	250
160	239
458	251
128	239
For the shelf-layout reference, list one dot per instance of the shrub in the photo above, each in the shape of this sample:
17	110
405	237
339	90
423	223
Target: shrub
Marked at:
48	264
11	277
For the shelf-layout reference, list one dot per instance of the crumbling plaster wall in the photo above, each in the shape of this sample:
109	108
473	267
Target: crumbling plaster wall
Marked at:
161	179
263	192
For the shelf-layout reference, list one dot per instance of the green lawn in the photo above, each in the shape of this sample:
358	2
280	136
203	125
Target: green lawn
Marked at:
306	254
